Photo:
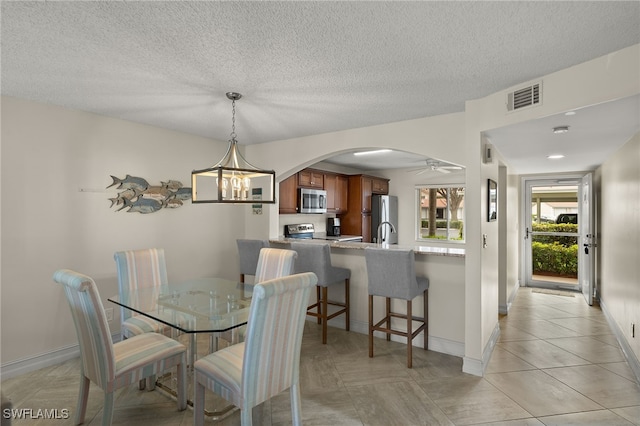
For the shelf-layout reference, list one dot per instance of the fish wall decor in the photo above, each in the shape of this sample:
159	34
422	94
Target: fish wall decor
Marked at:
137	195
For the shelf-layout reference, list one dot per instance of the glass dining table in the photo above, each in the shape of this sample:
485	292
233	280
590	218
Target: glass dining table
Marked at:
213	307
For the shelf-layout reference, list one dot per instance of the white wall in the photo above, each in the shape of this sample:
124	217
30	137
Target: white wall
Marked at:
48	154
619	242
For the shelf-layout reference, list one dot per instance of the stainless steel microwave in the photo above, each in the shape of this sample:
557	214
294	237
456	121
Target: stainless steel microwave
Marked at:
312	200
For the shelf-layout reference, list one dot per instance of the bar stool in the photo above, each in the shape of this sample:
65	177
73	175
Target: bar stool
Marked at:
316	258
249	251
392	275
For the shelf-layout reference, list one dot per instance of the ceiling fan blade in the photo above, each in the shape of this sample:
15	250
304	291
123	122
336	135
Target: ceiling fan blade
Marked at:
422	171
441	170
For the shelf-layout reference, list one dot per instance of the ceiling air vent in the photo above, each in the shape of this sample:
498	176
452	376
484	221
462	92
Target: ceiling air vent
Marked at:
525	97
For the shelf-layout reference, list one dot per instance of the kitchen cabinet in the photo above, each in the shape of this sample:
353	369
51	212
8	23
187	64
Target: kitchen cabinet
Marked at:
288	202
380	186
337	189
357	219
309	178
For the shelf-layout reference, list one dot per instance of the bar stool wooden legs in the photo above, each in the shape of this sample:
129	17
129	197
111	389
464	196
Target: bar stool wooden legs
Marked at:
322	308
391	275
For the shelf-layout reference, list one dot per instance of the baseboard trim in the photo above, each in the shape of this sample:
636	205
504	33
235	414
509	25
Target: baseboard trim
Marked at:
504	309
48	359
631	357
477	367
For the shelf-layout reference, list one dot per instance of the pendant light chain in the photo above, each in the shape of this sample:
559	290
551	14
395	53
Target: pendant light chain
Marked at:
233	119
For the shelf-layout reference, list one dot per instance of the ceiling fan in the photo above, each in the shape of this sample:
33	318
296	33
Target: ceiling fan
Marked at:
436	166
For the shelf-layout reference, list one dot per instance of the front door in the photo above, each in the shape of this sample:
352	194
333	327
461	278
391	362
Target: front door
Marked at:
552	233
586	253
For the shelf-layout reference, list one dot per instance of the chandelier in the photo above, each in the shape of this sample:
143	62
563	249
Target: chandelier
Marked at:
233	180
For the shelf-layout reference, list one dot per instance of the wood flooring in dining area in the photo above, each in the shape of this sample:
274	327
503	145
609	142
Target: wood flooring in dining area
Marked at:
556	363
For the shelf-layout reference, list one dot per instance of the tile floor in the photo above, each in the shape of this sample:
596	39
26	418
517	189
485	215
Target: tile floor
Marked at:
556	363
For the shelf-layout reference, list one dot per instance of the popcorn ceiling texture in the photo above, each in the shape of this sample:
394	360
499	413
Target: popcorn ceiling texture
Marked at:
303	67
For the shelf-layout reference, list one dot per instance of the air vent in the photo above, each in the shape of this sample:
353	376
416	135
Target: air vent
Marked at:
525	97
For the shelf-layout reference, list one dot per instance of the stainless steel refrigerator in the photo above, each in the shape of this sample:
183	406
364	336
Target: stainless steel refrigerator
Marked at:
384	214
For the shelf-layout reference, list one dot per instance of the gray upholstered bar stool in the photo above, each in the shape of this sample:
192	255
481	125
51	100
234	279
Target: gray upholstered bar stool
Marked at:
316	258
249	251
392	275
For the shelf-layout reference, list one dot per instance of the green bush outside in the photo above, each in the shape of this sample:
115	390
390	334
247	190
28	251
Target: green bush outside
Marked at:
455	224
555	259
442	224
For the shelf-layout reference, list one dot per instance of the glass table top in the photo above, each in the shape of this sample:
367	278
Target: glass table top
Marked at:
195	306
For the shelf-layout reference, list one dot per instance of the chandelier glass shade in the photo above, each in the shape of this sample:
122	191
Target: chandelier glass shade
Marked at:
233	180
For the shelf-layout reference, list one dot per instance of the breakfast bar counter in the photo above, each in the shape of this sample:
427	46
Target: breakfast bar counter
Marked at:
445	268
418	249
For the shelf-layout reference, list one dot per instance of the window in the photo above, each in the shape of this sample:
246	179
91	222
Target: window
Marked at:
440	213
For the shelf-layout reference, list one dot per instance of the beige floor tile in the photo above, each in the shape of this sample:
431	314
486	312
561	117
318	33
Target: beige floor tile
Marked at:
593	418
502	361
632	414
520	422
333	407
481	407
402	403
600	385
510	333
588	348
621	369
541	394
583	326
544	329
607	338
455	387
542	354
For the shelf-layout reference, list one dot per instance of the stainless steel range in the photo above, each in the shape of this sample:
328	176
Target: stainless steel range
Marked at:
306	231
299	231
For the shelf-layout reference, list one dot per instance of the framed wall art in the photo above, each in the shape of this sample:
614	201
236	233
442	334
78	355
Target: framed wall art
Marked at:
492	201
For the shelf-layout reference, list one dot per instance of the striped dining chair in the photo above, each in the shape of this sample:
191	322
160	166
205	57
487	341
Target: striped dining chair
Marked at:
268	361
272	263
275	263
139	269
115	365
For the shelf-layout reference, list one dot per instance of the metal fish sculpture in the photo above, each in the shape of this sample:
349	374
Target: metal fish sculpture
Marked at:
130	182
159	193
142	205
172	185
128	194
172	203
138	196
182	194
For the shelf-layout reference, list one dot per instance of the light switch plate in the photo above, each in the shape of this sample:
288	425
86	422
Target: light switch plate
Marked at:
109	313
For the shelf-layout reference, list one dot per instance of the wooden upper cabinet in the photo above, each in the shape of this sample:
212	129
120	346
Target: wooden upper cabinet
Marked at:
309	178
288	202
380	186
366	189
336	186
342	193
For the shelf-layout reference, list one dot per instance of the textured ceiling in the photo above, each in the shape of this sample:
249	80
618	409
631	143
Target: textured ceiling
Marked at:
303	67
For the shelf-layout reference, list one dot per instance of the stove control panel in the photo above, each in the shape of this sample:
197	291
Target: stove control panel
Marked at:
301	228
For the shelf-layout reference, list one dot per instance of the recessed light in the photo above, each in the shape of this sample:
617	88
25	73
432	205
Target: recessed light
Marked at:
570	113
377	151
560	129
555	156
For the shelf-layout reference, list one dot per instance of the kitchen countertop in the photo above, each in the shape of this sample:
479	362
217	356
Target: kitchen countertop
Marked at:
418	249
